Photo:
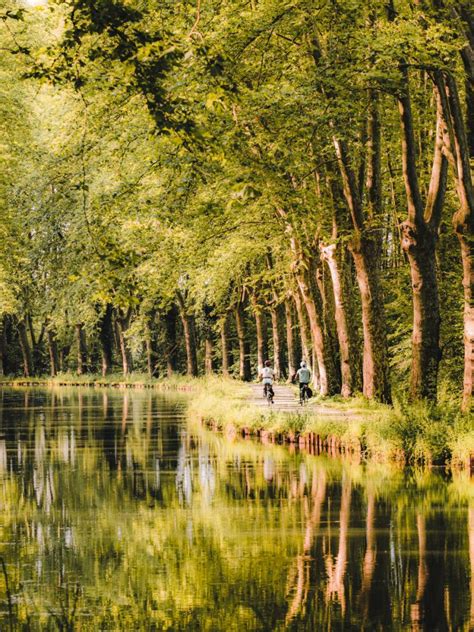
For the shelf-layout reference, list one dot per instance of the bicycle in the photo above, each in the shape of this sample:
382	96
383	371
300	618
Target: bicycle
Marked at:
268	393
304	394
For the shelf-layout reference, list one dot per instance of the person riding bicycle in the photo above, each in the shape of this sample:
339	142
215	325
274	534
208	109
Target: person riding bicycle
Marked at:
267	374
303	375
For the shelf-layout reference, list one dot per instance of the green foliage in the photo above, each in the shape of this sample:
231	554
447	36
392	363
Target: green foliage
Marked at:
152	151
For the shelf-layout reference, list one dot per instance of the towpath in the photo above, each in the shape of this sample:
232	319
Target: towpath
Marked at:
286	400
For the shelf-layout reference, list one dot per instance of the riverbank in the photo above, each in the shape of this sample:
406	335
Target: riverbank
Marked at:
113	380
407	434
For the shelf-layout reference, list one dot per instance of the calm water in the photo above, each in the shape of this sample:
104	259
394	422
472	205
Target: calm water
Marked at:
118	514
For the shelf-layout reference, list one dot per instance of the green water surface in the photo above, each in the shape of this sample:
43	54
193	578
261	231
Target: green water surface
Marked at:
119	513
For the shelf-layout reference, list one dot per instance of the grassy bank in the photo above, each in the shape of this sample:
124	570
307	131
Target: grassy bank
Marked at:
112	380
410	433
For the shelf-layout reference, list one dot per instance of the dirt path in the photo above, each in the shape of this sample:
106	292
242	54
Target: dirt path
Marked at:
286	400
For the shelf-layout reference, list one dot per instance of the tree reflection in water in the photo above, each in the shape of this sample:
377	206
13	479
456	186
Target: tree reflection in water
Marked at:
117	514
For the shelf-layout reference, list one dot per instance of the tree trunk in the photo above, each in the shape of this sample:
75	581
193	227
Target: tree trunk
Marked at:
53	352
277	358
190	344
150	345
150	363
121	326
300	267
326	309
347	347
375	365
3	345
171	346
244	351
457	147
25	349
419	244
303	327
208	356
290	344
262	350
365	249
327	384
81	350
106	338
224	330
419	237
189	331
465	235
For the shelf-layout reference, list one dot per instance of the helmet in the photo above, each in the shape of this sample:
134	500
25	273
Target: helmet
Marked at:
303	365
268	363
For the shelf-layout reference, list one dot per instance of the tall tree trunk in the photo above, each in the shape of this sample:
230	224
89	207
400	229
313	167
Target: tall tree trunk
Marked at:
3	344
224	331
365	245
122	323
190	344
457	149
208	356
303	328
81	349
277	356
28	368
262	348
290	343
327	382
244	351
275	314
331	253
326	308
150	359
150	344
465	235
419	238
189	330
171	347
300	267
364	250
375	363
106	338
53	352
209	335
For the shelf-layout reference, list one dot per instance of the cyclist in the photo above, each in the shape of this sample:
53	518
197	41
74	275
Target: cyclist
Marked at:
303	375
267	374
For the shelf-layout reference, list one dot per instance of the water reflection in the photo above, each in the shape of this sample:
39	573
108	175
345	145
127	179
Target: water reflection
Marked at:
117	514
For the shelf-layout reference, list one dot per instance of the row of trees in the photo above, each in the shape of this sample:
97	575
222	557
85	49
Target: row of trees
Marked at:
197	185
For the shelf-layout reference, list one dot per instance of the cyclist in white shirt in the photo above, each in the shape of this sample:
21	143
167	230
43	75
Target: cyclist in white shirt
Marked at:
267	374
303	375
